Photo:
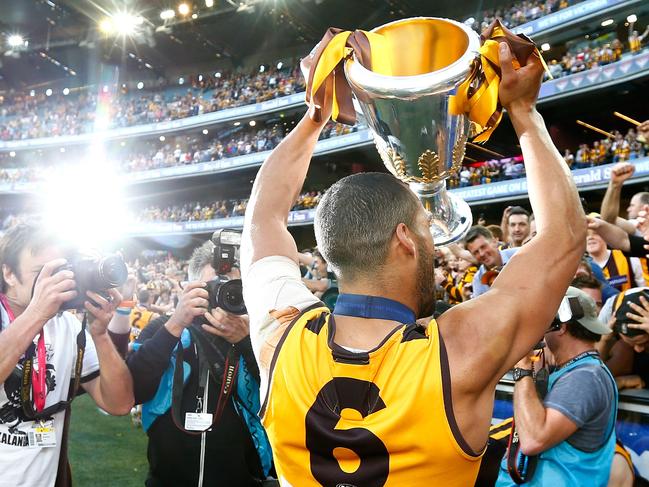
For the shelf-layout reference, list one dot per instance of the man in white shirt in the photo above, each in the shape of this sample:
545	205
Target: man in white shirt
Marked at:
36	335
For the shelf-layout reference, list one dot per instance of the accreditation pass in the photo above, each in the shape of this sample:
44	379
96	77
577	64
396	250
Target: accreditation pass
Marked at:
42	435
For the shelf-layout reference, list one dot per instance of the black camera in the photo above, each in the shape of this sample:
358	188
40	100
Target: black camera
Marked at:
226	293
622	306
94	273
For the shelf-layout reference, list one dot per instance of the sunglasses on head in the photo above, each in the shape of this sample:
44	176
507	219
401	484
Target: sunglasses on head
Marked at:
569	310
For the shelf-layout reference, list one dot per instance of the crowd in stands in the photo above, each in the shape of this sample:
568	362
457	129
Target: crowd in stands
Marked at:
181	150
192	150
197	211
622	147
520	12
25	116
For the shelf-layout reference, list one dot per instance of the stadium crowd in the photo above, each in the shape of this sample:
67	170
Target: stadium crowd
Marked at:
172	339
27	116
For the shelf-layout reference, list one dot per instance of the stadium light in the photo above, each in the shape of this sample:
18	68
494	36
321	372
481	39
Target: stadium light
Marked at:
66	91
279	65
181	80
162	138
209	3
217	74
194	16
205	131
127	23
183	9
252	123
12	154
32	93
167	14
607	22
140	85
262	68
74	196
48	92
106	26
631	19
15	40
236	124
62	150
545	46
200	78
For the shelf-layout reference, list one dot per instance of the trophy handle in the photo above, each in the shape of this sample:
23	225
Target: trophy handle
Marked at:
451	215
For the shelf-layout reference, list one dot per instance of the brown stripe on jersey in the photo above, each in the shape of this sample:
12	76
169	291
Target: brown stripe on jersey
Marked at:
448	400
278	348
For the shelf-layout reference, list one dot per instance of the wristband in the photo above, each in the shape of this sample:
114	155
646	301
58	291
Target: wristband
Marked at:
123	311
126	304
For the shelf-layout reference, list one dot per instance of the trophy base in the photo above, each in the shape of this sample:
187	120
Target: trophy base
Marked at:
451	215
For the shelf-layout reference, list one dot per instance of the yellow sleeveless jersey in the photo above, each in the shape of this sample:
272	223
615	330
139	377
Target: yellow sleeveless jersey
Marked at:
138	319
384	417
618	271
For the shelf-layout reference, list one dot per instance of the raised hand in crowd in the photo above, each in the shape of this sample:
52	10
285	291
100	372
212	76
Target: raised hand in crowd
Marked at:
643	131
621	172
193	303
640	315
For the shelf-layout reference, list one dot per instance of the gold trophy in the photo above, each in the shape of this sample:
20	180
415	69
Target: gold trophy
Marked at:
418	83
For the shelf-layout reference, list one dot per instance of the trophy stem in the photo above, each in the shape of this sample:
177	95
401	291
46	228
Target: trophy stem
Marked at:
451	216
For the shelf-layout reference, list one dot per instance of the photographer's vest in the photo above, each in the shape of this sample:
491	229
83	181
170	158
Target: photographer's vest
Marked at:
382	417
618	271
564	464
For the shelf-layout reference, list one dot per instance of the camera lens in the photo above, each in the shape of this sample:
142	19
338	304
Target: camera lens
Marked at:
230	297
112	271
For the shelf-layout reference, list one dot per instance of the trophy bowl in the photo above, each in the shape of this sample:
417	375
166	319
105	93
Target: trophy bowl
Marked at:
420	137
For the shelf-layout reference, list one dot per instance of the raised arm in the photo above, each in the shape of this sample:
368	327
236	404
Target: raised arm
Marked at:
610	210
613	235
276	187
506	322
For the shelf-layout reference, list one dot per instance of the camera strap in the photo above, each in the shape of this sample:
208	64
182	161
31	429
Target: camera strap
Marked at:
34	385
211	361
521	467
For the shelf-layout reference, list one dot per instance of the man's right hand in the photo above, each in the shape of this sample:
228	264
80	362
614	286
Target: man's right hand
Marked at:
621	172
51	290
519	88
193	302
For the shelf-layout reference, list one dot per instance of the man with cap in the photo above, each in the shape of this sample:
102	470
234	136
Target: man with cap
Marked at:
572	430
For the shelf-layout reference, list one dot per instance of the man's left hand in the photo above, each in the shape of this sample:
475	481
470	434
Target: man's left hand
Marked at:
233	328
99	316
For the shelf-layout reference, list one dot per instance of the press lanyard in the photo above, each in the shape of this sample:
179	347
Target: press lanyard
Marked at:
375	307
37	382
588	353
209	358
38	377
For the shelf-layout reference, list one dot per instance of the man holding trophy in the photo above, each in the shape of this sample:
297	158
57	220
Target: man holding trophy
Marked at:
365	396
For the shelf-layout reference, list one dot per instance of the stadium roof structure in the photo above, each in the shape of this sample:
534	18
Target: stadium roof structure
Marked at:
67	38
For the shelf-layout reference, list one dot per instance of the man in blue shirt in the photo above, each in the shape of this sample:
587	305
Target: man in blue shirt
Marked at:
572	430
481	243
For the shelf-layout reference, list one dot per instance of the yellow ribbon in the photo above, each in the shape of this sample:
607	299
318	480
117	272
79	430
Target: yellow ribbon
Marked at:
478	95
325	66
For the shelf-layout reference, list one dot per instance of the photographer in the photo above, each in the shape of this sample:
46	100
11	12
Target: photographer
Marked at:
35	335
572	430
188	443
